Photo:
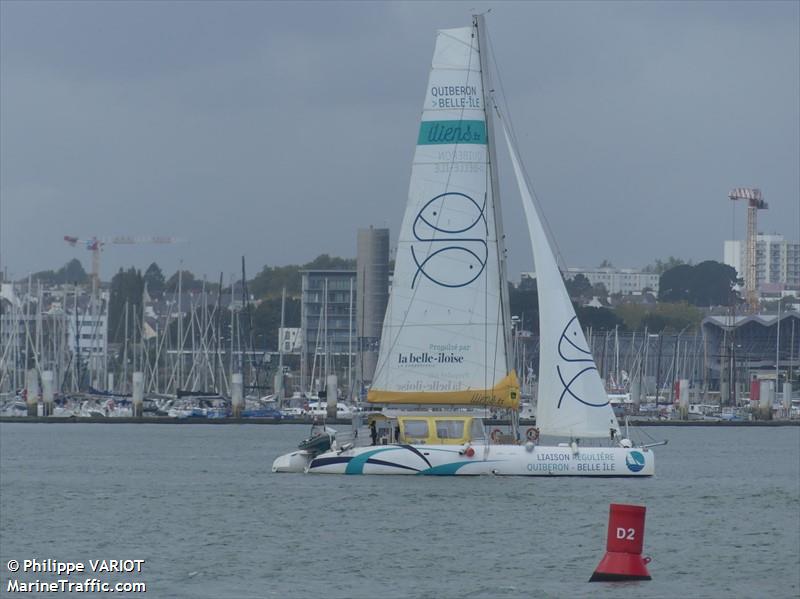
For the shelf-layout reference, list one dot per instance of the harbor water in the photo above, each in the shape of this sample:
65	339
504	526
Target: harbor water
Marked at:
201	506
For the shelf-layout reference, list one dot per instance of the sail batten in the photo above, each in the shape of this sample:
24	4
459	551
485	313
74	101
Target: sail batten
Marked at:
442	339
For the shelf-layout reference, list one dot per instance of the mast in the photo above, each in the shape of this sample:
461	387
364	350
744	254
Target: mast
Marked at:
180	328
203	340
39	341
249	338
778	348
280	348
483	51
125	351
143	339
324	383
234	324
360	362
791	355
218	366
350	341
616	355
27	334
192	380
77	345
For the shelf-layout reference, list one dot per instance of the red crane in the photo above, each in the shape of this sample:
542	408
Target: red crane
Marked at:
754	203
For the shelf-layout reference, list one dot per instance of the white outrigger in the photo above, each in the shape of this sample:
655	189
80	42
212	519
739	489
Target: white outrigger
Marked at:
447	333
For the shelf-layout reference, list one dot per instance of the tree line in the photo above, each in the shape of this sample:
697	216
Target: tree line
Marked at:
684	291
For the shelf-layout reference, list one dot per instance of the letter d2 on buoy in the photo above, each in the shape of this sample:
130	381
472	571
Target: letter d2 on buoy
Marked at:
623	559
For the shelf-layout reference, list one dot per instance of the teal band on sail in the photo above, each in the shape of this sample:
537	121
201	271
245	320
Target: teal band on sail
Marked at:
451	132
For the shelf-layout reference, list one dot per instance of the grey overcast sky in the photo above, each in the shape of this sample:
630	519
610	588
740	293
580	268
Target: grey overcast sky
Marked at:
275	130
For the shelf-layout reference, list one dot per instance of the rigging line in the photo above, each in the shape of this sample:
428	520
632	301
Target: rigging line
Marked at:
512	135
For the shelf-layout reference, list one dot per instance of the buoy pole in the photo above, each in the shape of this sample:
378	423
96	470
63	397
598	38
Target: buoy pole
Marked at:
32	390
683	398
636	394
47	392
787	399
331	398
236	394
623	559
138	394
765	400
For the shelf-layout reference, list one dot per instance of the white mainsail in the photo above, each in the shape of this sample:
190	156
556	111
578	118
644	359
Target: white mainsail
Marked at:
571	401
444	336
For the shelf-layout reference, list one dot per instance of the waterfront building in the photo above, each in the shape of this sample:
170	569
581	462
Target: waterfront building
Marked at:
738	348
625	281
327	323
777	262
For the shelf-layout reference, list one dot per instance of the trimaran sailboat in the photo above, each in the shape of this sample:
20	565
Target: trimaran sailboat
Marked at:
446	334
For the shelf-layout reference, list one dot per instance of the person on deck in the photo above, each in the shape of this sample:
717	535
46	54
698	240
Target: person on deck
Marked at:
373	432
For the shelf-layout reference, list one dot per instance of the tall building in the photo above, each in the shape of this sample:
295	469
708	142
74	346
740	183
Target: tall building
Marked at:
327	323
372	266
777	261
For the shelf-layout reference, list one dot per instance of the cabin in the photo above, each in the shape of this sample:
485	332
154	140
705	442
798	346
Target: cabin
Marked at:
428	429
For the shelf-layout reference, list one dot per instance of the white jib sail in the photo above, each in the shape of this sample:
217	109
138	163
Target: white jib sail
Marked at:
442	335
571	400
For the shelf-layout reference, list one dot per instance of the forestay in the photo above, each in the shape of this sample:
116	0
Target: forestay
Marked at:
443	338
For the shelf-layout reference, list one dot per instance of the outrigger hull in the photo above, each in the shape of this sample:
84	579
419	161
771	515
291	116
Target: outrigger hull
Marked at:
501	460
295	461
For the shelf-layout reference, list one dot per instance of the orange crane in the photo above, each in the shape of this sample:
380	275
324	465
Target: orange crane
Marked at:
755	202
95	245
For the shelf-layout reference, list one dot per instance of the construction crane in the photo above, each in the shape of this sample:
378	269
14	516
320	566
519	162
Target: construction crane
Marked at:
754	203
95	245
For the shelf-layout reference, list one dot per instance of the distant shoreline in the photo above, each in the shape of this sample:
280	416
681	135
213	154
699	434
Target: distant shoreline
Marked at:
489	422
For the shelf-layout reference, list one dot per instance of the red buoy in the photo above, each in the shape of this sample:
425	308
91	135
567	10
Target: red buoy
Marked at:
623	559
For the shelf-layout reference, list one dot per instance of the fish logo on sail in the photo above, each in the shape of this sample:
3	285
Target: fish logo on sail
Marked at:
578	358
447	250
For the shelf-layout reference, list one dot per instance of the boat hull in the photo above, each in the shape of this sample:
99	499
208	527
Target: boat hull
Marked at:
295	461
501	460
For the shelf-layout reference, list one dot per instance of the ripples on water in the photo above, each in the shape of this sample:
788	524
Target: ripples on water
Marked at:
200	504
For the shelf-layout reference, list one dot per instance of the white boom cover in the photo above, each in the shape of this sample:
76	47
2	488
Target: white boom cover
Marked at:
571	399
443	335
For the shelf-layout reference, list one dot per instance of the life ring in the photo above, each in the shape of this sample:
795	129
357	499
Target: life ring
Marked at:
532	434
495	436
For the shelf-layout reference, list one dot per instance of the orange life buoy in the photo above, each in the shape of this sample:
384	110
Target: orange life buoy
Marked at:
532	434
496	434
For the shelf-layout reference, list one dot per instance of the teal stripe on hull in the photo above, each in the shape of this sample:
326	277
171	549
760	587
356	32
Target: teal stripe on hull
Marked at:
451	132
356	465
